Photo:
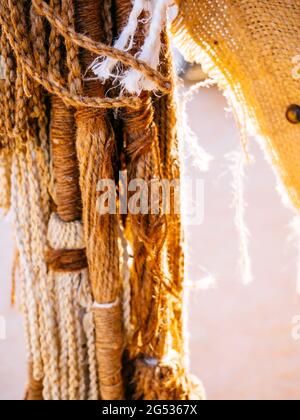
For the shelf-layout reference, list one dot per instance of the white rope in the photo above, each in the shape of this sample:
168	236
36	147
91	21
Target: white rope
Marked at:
77	361
38	230
84	298
20	196
62	235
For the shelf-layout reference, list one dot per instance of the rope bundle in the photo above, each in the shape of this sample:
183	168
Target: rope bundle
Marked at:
95	324
76	362
96	152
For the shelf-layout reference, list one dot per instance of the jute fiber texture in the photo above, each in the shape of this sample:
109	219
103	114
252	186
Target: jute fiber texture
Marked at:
250	47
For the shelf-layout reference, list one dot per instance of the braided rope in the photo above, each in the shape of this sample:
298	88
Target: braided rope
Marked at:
50	84
20	212
39	235
18	40
67	333
101	49
74	77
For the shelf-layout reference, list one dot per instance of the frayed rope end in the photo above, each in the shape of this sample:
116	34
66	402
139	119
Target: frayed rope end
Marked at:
134	81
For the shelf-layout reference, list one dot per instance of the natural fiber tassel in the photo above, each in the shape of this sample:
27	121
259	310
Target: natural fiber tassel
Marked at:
65	256
165	380
101	231
95	147
153	376
132	80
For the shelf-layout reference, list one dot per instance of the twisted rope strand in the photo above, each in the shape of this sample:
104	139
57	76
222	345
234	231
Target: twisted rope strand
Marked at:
99	48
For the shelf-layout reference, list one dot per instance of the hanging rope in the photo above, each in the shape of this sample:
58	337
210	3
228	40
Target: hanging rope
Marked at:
83	304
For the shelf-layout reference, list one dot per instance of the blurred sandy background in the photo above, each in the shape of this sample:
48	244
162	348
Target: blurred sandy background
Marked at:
240	337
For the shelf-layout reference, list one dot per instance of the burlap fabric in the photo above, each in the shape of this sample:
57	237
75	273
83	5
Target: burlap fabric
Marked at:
251	48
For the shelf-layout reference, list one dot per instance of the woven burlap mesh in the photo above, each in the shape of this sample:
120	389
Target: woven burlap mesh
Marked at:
250	46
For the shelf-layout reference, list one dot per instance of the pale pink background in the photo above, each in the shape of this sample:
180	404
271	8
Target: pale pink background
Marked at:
241	345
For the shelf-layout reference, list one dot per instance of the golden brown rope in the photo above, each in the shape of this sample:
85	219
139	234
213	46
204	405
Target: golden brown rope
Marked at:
66	254
74	76
8	87
62	127
65	165
96	151
109	343
52	86
156	299
149	143
34	388
55	41
166	117
148	231
19	42
66	260
101	49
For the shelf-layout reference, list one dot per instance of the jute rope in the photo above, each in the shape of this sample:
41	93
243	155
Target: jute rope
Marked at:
34	388
140	142
77	308
101	49
151	148
66	257
64	158
95	145
166	117
7	92
20	46
5	179
27	128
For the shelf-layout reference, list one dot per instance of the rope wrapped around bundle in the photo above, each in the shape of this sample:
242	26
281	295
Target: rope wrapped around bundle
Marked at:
73	292
66	256
96	152
149	150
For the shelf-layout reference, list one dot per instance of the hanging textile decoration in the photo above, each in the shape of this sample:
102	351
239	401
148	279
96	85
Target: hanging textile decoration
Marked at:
101	293
87	93
156	377
250	49
257	67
